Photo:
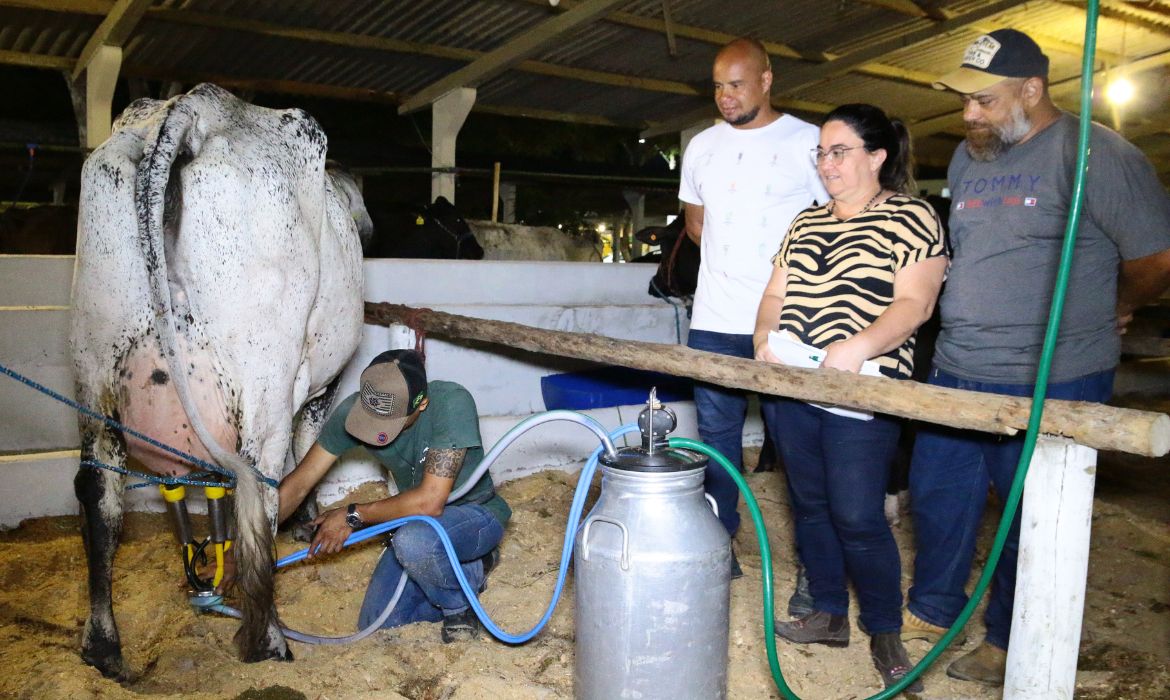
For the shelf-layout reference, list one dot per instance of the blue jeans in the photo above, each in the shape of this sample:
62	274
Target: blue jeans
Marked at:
949	476
721	412
432	590
838	469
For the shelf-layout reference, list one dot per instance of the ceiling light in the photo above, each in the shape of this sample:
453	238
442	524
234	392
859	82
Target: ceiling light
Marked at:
1120	91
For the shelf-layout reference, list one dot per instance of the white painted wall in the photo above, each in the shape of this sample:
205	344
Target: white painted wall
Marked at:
580	297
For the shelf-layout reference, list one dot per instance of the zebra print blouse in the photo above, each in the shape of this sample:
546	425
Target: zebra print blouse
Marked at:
841	273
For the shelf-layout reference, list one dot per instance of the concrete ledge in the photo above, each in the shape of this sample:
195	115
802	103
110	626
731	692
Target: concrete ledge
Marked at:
30	420
35	486
35	280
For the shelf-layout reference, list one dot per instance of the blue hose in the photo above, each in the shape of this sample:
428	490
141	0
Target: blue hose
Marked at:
584	480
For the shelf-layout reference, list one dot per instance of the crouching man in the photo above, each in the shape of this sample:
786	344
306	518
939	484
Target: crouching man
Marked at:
427	437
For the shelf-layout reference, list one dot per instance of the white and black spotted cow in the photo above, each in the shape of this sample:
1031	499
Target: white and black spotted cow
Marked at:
217	295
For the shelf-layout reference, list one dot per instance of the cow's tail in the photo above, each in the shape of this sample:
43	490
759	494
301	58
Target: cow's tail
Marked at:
259	636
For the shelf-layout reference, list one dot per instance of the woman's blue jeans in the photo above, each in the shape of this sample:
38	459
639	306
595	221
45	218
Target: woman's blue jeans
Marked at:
721	412
837	473
949	476
432	590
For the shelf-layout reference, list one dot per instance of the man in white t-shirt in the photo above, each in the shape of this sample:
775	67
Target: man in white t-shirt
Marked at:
743	182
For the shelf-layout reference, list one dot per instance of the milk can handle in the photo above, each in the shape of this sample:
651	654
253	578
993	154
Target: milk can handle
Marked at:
712	503
611	521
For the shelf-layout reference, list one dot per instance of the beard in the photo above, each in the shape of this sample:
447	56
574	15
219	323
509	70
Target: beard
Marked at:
986	142
745	118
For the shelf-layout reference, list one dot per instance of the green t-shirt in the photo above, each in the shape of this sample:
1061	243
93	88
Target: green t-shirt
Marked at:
450	421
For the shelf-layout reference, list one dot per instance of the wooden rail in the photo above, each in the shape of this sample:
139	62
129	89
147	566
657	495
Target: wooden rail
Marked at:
1091	424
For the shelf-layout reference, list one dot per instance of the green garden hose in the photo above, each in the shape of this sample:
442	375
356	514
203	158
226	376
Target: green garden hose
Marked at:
1012	502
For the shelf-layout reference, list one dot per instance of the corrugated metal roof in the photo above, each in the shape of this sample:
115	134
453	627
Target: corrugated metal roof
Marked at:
617	69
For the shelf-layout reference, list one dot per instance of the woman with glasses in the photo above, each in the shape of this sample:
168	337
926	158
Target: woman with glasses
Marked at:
854	278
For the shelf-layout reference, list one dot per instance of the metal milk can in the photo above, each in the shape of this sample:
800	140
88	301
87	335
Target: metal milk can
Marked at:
653	566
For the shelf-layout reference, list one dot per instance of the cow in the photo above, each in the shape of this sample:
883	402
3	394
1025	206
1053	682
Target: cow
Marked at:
435	230
217	294
49	229
678	265
503	241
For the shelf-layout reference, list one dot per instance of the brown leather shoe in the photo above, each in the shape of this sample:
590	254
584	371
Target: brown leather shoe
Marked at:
986	665
817	628
914	627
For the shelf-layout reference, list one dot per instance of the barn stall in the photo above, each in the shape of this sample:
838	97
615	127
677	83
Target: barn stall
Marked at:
438	686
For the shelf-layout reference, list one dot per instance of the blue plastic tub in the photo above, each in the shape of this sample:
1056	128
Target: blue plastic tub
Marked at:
610	386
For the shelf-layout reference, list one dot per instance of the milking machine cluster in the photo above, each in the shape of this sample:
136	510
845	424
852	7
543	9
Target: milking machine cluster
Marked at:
222	524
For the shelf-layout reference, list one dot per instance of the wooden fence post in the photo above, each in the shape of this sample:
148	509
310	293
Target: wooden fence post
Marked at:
1056	515
495	191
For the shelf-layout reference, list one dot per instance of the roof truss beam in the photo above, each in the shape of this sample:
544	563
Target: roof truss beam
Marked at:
513	52
114	30
775	49
1148	19
909	8
292	87
358	41
799	78
36	60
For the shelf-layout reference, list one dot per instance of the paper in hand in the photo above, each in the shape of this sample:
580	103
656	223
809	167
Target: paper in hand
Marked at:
797	354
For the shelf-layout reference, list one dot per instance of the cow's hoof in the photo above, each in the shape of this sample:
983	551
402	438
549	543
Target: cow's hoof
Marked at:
268	655
112	666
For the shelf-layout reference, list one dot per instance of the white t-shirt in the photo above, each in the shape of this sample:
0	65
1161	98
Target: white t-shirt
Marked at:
751	184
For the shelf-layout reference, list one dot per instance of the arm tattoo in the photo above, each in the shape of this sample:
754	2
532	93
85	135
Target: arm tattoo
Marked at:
444	463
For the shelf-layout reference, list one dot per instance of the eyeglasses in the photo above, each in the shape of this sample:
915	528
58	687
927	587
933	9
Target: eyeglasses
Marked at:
836	154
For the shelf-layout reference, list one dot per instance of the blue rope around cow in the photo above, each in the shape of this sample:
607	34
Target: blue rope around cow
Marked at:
206	466
194	479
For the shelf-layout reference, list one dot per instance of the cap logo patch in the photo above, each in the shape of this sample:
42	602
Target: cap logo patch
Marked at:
377	402
383	438
981	52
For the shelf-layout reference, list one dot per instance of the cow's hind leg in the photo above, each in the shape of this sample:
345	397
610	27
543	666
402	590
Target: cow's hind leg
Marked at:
100	494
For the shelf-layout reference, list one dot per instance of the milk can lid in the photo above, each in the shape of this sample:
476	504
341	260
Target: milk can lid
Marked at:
637	459
655	422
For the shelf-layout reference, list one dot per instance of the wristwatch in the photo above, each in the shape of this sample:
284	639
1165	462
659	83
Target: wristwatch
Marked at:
353	518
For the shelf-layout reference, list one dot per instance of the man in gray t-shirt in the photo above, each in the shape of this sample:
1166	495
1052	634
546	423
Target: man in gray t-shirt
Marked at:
1011	181
1006	229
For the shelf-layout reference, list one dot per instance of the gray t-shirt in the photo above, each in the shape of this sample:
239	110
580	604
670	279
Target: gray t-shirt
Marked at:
1006	230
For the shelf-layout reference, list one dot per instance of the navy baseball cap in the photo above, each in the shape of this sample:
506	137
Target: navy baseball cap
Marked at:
391	388
1004	53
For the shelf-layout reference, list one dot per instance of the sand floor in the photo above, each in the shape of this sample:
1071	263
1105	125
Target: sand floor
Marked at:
175	652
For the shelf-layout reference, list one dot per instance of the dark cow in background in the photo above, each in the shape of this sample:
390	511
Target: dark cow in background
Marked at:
435	230
217	295
678	260
50	229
